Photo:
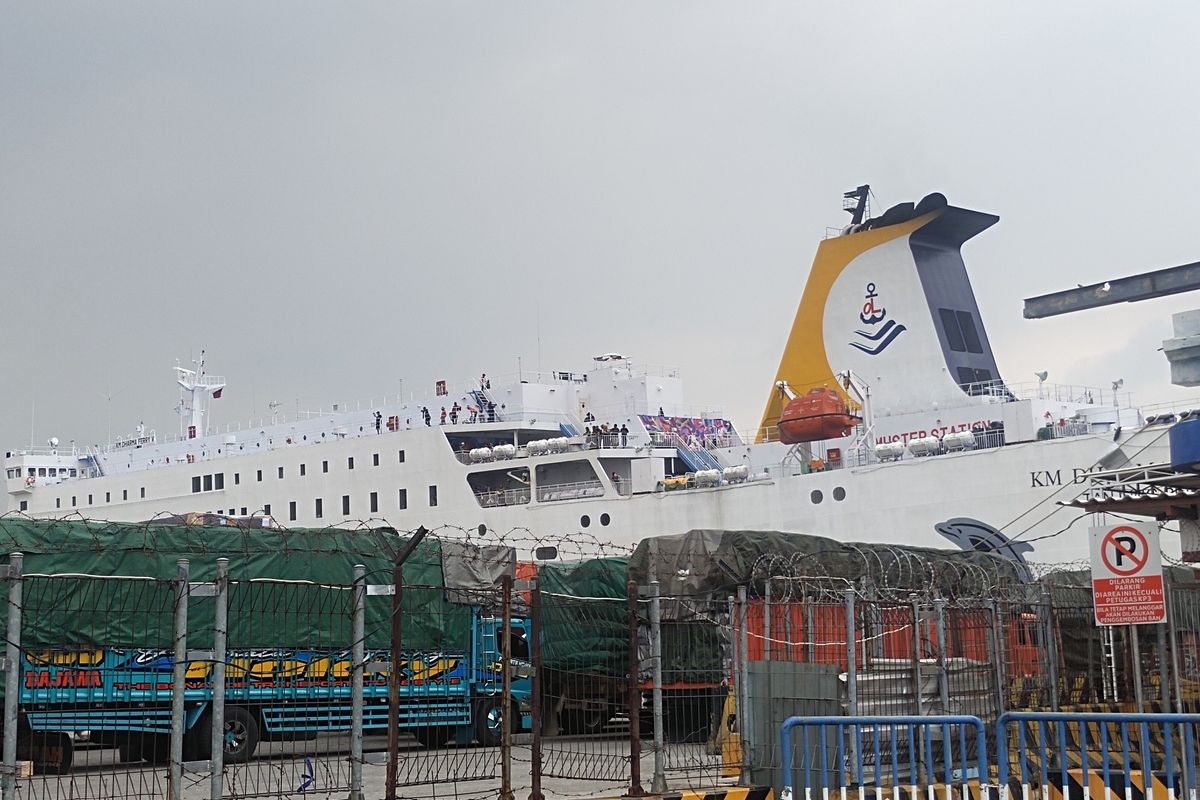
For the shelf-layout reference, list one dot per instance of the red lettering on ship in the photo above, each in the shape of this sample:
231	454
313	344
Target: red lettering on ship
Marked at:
63	679
935	432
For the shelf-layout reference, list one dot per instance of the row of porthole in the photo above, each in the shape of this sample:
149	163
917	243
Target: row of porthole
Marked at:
817	496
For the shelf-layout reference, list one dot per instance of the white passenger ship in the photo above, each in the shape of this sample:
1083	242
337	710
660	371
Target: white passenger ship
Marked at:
894	421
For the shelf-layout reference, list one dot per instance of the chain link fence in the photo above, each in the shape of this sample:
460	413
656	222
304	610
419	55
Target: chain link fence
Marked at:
403	672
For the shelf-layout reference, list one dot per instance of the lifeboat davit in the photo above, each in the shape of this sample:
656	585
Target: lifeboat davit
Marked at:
820	414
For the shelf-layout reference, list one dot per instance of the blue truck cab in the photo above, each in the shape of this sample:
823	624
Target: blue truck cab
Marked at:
122	697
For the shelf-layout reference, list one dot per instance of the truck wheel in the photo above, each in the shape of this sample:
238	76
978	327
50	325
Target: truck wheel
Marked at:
585	720
490	719
432	736
152	747
241	735
51	753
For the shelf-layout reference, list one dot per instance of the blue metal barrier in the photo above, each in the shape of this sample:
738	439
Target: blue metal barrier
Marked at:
1143	755
883	751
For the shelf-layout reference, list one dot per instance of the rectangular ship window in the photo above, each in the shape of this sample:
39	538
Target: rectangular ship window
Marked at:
292	511
432	496
966	323
124	494
345	505
303	469
208	483
350	462
195	484
950	325
375	460
402	499
267	509
219	481
401	453
317	507
281	473
260	476
374	502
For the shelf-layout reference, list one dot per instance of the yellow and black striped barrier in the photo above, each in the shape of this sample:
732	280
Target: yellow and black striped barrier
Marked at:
723	793
1114	789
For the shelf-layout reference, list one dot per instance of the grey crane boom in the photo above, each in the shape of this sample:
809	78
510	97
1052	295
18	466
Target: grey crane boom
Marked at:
1148	285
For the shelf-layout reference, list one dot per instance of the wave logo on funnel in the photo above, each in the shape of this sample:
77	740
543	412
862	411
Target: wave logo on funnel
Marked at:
882	332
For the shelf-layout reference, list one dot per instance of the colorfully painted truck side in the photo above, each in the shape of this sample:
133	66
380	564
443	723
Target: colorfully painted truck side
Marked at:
123	697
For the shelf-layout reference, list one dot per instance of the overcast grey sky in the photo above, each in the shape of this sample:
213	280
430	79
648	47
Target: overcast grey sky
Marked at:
331	197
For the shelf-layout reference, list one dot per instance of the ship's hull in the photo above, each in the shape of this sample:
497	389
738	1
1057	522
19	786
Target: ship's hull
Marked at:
949	500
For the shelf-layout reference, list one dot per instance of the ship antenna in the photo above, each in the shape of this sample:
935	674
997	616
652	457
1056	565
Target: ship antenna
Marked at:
856	203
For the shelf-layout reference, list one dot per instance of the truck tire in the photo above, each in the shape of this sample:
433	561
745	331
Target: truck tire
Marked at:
241	738
241	735
51	753
490	719
588	720
152	747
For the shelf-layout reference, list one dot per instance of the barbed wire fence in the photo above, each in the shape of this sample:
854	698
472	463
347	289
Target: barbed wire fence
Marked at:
562	687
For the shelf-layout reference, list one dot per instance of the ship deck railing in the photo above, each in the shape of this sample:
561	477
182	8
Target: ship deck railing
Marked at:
607	441
1058	392
569	491
503	497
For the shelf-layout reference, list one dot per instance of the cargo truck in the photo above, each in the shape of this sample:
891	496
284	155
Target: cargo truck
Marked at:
122	698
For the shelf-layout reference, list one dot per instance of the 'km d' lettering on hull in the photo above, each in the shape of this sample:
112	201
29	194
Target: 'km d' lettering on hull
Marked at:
1043	478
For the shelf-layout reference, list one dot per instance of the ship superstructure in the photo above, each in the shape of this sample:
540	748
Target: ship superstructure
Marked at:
887	421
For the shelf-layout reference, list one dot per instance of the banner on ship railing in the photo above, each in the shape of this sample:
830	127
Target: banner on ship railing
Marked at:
1127	577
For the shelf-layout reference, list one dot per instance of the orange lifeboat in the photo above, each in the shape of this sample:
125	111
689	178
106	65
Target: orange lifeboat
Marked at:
820	414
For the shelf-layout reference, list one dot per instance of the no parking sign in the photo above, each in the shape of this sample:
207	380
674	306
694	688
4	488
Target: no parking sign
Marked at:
1127	579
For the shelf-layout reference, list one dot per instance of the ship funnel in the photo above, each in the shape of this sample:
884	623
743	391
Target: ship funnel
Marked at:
891	300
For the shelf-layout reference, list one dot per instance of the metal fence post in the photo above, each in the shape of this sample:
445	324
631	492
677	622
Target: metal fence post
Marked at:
506	720
12	674
220	633
397	634
851	656
939	616
1135	654
635	697
1173	635
745	715
358	658
851	671
658	783
766	634
179	674
535	743
916	652
1164	661
1051	641
996	647
810	630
